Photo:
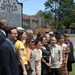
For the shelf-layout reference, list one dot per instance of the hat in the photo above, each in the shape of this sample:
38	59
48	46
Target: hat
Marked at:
20	28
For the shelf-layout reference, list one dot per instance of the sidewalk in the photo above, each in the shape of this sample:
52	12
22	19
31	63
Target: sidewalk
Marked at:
74	54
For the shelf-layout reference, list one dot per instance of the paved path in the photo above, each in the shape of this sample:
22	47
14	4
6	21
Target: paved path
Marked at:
74	54
73	41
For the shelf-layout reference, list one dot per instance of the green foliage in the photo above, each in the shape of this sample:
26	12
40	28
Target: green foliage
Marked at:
26	26
73	71
47	15
39	13
72	36
65	12
72	25
51	6
53	23
62	11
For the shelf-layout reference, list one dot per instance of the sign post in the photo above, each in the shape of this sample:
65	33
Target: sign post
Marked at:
11	10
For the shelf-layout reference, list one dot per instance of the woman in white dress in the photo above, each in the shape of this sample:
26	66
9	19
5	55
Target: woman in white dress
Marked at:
38	56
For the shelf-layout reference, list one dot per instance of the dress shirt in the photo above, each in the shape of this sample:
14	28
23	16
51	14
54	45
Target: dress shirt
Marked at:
3	32
56	56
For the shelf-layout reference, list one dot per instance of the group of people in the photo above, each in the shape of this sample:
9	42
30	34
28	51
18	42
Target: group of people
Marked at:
22	54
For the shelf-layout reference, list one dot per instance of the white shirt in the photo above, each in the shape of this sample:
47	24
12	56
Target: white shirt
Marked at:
3	32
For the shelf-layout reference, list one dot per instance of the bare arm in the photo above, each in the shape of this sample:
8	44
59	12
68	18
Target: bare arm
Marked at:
47	63
43	61
67	51
20	54
61	58
50	60
28	58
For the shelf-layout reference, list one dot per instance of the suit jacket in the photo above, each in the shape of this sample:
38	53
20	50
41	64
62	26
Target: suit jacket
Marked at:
9	59
2	37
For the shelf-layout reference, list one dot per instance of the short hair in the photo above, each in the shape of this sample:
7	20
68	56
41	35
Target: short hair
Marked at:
52	38
40	38
65	34
47	35
40	34
61	36
20	28
8	30
20	32
28	31
2	22
36	41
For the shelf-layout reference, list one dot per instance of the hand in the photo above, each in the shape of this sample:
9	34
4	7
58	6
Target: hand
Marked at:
24	73
36	73
48	64
60	65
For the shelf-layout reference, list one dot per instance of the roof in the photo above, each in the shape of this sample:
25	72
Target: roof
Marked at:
26	17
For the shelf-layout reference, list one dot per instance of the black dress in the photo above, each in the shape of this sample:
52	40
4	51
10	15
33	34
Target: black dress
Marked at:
45	55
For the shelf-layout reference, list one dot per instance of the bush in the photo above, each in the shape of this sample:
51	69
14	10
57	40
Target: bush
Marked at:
72	25
26	27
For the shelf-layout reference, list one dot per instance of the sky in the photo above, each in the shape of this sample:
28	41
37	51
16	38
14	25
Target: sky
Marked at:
31	7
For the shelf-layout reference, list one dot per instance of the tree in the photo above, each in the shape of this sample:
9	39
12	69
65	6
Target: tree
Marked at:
48	17
39	13
66	12
51	6
63	10
72	25
44	15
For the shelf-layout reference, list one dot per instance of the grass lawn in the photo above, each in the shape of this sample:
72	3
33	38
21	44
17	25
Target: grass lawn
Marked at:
72	35
73	70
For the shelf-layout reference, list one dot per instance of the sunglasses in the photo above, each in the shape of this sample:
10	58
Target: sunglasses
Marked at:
32	41
66	36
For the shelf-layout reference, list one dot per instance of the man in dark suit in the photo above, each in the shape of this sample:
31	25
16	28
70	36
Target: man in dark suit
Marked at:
71	53
8	53
3	26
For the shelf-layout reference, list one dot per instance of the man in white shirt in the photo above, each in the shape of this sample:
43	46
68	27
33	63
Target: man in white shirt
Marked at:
56	56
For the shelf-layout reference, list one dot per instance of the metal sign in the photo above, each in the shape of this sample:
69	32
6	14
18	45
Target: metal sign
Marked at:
11	10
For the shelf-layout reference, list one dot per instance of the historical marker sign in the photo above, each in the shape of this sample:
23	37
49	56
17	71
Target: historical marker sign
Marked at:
11	10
